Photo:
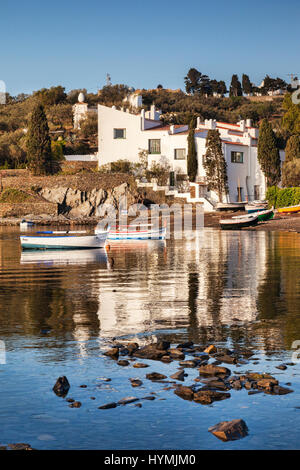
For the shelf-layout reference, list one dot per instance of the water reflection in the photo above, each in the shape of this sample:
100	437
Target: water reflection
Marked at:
241	286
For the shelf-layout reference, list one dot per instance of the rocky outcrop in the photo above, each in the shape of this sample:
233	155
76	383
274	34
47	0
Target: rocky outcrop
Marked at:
77	203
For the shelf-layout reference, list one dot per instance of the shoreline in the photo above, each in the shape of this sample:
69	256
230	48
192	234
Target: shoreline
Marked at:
286	223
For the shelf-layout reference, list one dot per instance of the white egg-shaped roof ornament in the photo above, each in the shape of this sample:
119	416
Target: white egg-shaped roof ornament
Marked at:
81	97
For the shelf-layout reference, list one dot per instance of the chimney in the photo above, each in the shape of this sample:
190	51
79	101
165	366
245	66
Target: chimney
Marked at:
142	119
242	125
248	123
172	129
152	112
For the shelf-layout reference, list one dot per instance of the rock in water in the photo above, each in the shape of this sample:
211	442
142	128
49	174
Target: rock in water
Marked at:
178	375
61	386
107	406
230	430
210	349
136	382
155	376
19	446
210	369
113	353
75	404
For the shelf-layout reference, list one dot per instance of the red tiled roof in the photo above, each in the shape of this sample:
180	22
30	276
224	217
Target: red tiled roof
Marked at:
234	143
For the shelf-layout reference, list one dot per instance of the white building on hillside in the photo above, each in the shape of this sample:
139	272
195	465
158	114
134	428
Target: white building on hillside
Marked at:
122	136
81	111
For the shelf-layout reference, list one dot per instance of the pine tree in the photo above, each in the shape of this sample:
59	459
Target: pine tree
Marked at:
38	143
215	165
192	162
235	87
246	84
268	154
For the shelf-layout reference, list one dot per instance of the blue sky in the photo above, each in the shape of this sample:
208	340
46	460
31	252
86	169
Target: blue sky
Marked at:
142	44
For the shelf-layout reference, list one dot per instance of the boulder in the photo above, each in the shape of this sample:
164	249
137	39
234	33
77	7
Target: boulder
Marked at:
187	393
150	352
176	354
155	376
178	375
136	382
113	353
127	400
140	365
107	406
61	386
206	397
75	404
190	363
230	430
123	363
210	349
210	369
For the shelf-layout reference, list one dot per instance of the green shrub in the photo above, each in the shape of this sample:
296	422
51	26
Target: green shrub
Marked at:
284	197
12	195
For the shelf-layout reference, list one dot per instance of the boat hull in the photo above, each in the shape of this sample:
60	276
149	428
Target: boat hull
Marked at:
234	206
238	223
63	242
287	210
137	235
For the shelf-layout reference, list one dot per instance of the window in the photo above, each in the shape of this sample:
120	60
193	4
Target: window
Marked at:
119	133
179	154
154	146
237	157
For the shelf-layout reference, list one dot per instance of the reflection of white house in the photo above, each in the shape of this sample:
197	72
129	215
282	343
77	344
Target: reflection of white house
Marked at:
123	135
163	296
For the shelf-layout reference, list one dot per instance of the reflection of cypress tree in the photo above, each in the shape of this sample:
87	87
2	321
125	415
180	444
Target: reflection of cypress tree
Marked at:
193	286
270	300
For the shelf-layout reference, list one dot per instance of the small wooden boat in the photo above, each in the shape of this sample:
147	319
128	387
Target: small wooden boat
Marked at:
262	215
236	223
230	206
141	232
289	209
26	224
63	242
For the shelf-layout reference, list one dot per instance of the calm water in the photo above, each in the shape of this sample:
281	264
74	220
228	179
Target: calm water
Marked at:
58	313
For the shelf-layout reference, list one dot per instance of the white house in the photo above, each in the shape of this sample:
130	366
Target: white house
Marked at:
122	136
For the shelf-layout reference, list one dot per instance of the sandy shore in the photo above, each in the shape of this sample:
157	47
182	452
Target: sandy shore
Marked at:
290	223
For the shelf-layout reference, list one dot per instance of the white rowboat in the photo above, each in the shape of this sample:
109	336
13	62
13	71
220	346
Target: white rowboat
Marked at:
63	242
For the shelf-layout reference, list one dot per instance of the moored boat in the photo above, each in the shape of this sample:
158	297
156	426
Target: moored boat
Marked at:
63	242
24	224
289	209
141	232
236	223
262	215
230	206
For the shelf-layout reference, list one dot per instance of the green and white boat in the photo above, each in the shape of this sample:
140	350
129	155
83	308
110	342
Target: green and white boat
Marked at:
262	216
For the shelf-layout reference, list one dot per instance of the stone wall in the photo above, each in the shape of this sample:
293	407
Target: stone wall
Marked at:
77	166
26	208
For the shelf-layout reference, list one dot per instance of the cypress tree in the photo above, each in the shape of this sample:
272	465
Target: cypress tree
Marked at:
215	165
268	154
292	149
38	143
192	162
247	85
235	87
